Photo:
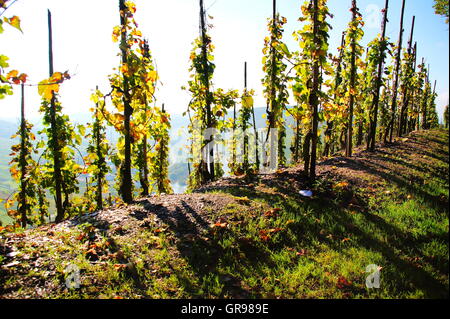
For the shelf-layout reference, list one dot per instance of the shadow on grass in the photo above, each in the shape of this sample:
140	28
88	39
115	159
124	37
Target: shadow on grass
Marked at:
400	247
209	257
341	225
204	254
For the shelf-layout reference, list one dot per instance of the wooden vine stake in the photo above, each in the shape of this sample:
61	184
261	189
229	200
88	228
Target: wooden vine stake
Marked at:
255	130
126	188
403	114
53	126
374	116
273	102
337	81
209	144
244	129
313	100
23	162
349	148
390	127
100	176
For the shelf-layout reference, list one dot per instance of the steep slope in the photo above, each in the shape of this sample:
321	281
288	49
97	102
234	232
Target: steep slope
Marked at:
258	239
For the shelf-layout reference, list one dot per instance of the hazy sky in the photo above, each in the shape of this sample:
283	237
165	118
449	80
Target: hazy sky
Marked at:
82	43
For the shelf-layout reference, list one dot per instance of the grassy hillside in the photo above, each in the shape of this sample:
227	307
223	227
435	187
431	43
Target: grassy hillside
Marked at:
258	239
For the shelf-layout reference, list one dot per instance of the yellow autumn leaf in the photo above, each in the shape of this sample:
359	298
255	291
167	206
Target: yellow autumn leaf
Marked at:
56	77
14	22
46	89
131	6
12	74
341	185
116	33
14	172
118	117
153	76
247	101
136	33
151	89
124	68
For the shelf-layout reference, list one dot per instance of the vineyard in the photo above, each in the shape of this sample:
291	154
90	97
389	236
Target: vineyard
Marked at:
346	166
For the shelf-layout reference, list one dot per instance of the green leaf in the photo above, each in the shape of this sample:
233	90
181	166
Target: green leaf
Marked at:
82	130
285	49
3	59
77	139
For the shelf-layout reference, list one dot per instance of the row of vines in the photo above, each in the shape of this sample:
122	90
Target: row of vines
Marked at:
341	101
356	97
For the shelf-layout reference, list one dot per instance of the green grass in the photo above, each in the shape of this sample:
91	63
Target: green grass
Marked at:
404	230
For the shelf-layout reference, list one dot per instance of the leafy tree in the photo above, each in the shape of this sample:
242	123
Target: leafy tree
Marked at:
407	78
433	118
13	76
207	110
152	125
417	82
60	170
97	159
352	59
307	87
23	166
395	84
441	8
377	53
23	170
426	92
363	92
374	81
275	84
133	88
384	105
159	169
60	147
240	127
334	110
244	125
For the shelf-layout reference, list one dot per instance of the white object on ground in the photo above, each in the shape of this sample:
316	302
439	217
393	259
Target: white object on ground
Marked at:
306	193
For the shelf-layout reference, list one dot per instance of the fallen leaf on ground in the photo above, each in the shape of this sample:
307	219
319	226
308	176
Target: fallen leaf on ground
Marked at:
343	283
341	185
120	266
302	252
220	225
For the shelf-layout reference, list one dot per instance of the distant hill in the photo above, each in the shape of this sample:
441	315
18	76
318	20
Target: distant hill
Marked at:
7	129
